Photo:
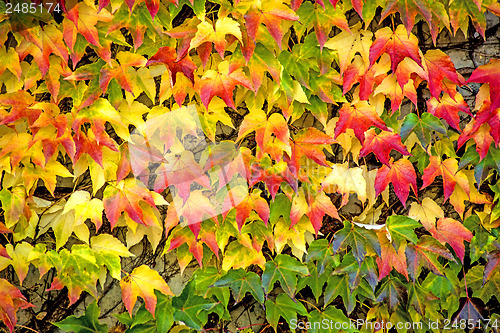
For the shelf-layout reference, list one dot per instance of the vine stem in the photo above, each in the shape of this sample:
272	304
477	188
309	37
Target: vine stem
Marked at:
28	328
465	283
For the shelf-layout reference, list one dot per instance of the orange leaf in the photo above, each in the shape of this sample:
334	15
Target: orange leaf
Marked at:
402	176
451	231
142	282
381	145
359	117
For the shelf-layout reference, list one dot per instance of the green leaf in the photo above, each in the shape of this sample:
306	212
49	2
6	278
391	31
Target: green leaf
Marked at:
314	281
338	285
284	307
164	312
285	270
358	239
190	308
420	298
242	282
422	127
355	271
320	251
88	323
281	206
401	227
391	291
328	320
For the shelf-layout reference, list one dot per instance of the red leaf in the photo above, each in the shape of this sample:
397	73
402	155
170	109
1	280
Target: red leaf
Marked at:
252	202
481	136
389	258
381	145
451	231
126	196
402	176
11	300
309	142
221	83
397	44
359	117
448	108
489	73
167	55
447	169
439	66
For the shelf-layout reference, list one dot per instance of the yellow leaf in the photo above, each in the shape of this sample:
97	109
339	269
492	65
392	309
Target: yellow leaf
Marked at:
85	208
110	244
348	180
426	213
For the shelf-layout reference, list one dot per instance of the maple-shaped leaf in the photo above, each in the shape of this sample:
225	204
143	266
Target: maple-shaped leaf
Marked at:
10	60
191	308
285	307
348	180
438	67
207	34
309	142
493	261
222	83
265	127
392	291
314	207
252	201
420	298
348	44
262	60
460	13
330	313
320	251
447	169
402	176
401	228
88	322
453	232
390	258
19	257
194	210
358	239
448	108
42	43
431	11
321	19
381	145
425	254
397	44
359	117
426	212
421	126
142	282
271	13
166	55
242	282
338	285
481	136
285	270
392	89
471	310
489	73
11	300
85	208
356	272
126	196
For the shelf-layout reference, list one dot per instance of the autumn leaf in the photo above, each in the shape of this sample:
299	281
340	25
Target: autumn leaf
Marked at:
359	239
221	83
381	145
166	55
142	281
438	67
390	258
126	196
359	117
271	14
397	44
11	301
207	34
490	74
426	212
402	176
348	180
321	20
422	127
451	231
391	88
448	108
285	270
425	254
242	282
447	169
